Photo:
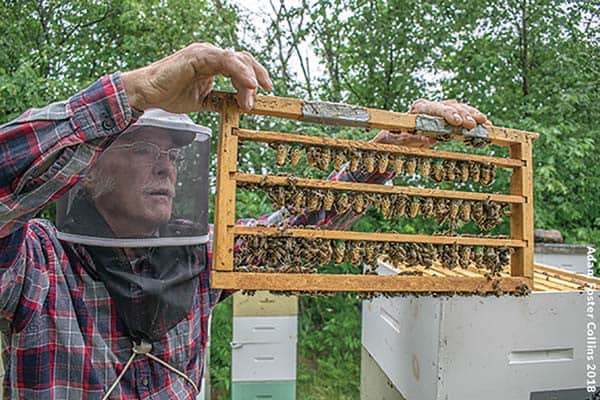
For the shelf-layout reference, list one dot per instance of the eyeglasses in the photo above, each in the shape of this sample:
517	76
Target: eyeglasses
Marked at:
150	152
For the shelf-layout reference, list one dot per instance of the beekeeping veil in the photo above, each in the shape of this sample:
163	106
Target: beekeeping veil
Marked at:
150	187
142	213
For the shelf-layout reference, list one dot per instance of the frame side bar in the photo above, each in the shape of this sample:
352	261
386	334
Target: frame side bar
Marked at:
225	201
521	221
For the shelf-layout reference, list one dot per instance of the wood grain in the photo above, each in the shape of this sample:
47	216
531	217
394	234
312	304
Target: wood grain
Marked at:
374	188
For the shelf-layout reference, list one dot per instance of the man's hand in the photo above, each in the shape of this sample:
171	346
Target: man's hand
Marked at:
455	113
180	82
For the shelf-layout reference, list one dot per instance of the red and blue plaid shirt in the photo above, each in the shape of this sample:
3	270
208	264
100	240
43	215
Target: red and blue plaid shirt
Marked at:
63	339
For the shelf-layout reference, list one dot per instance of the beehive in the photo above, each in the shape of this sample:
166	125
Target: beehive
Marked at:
225	274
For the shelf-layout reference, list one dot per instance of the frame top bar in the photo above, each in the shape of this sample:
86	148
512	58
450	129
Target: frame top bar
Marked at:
348	115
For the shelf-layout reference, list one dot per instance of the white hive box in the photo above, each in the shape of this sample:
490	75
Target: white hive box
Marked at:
472	348
264	348
570	257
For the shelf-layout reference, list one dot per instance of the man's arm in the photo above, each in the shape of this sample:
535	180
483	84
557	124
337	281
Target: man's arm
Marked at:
44	152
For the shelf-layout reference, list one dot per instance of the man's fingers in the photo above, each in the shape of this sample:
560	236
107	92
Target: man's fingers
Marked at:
240	71
467	110
261	73
465	114
437	109
449	113
478	115
455	113
245	98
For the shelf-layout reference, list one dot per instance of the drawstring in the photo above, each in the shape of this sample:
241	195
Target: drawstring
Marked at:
144	349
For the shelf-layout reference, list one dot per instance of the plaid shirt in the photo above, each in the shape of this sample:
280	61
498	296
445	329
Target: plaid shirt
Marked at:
63	337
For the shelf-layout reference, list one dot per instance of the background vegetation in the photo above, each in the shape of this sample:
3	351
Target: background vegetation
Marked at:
532	65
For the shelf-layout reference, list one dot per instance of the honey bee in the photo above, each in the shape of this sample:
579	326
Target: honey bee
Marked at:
475	172
412	254
450	166
371	252
355	157
339	251
328	200
325	252
428	255
411	166
385	248
441	208
492	215
452	256
454	209
465	256
398	254
438	173
359	203
476	142
486	174
477	212
463	168
314	201
465	211
295	156
383	160
493	172
369	161
491	259
425	165
298	201
478	257
504	256
398	163
428	208
282	152
400	204
324	159
339	159
312	155
342	204
385	205
355	253
278	196
414	207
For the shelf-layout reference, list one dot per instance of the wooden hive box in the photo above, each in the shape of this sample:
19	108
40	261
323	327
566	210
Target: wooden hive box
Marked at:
519	199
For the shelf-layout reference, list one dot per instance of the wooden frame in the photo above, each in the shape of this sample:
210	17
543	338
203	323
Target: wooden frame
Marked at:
520	198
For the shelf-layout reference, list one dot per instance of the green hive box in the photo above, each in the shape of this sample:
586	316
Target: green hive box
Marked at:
276	390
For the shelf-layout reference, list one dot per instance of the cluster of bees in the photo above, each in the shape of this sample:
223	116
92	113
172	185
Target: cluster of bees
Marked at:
485	213
322	157
301	255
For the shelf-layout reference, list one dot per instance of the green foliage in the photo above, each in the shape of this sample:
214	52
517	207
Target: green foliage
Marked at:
220	350
329	347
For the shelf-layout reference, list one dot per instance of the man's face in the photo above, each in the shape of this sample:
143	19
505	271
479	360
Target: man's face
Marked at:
132	190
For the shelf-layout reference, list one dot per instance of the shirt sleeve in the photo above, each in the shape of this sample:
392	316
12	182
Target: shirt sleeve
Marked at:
45	151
